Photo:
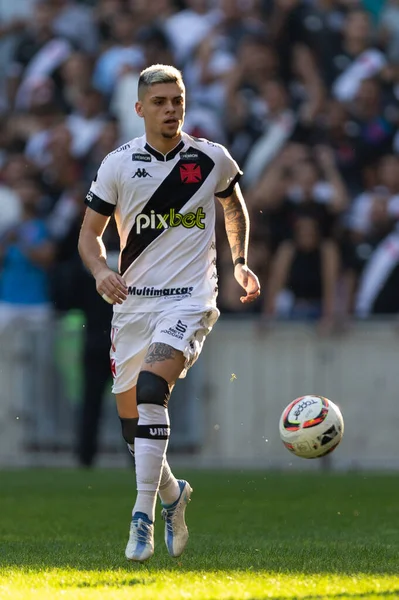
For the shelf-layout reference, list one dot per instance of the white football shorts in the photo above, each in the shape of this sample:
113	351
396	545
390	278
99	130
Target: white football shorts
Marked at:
132	334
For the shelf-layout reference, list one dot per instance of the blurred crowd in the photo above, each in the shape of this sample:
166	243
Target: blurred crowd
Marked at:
304	93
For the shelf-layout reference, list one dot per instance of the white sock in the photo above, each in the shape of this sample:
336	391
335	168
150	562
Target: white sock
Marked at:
149	455
169	489
130	447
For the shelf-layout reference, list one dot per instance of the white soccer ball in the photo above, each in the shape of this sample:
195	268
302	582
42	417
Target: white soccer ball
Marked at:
311	426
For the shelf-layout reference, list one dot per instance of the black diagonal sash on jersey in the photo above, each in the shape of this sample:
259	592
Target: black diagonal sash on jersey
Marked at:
172	193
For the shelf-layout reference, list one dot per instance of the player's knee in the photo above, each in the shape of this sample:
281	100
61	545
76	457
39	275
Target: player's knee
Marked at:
129	429
152	389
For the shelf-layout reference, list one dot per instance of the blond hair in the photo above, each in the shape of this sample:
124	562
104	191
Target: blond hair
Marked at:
158	74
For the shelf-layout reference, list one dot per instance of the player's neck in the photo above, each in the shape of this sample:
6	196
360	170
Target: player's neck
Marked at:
163	145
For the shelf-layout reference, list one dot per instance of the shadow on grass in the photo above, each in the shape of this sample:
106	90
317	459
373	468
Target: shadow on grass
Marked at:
104	582
284	558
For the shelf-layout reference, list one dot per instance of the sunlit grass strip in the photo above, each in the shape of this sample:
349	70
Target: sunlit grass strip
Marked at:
143	583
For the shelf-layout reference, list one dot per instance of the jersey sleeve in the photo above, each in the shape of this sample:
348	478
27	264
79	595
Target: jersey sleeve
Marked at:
103	194
230	174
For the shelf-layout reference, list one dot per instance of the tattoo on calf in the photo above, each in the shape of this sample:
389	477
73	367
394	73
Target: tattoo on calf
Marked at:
159	352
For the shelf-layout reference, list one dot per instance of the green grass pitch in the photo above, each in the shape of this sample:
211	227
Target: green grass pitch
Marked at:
252	535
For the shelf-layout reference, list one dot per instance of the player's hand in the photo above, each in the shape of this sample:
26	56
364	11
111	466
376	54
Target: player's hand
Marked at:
249	281
111	286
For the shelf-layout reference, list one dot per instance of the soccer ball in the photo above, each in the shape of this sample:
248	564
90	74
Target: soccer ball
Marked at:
311	426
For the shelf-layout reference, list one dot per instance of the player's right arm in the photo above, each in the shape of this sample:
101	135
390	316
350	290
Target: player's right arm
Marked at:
101	201
237	228
236	220
93	254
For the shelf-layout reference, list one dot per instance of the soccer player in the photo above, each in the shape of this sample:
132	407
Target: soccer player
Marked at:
161	188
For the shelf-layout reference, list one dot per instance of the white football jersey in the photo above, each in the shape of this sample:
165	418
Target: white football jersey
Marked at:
165	213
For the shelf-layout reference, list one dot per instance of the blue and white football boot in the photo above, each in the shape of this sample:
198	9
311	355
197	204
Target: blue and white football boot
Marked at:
176	532
140	546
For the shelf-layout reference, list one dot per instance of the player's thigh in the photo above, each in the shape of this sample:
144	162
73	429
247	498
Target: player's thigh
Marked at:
177	342
130	338
126	403
165	361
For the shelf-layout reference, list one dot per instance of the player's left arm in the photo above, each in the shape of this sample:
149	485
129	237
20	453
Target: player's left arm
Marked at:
237	224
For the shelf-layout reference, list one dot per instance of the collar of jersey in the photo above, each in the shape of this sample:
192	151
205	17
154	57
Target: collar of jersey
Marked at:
163	157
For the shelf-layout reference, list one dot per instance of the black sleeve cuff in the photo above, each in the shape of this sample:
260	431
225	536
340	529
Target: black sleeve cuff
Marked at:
98	205
228	191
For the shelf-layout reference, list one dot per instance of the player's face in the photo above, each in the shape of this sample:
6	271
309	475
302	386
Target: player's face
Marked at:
162	108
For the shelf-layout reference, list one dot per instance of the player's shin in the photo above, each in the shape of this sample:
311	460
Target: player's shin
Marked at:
151	439
169	489
129	430
150	449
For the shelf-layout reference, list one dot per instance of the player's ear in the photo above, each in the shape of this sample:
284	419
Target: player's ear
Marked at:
139	109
